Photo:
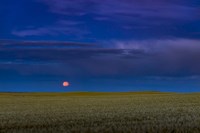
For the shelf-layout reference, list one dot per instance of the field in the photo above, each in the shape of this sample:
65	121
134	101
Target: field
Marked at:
148	112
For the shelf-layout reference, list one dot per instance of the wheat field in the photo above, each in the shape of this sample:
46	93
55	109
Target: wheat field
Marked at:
82	112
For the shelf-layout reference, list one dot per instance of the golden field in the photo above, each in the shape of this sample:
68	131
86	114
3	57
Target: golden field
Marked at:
93	112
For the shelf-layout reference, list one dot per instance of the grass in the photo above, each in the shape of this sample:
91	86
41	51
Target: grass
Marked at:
148	112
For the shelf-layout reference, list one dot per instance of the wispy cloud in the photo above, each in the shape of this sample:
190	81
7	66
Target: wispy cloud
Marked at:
125	18
60	27
132	18
156	45
14	44
129	9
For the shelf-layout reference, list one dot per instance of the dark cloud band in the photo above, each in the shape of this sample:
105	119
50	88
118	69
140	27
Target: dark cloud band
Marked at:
42	44
155	58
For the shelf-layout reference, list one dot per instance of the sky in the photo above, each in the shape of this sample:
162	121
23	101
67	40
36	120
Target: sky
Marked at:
107	45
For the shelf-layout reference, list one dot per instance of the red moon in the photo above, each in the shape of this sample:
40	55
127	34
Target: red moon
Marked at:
65	84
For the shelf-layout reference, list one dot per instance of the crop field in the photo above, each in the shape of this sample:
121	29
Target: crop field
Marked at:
145	112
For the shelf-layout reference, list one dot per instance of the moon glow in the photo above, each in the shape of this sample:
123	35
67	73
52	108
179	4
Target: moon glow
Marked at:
65	84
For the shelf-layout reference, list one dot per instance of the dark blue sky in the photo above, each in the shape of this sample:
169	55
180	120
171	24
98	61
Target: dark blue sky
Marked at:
108	45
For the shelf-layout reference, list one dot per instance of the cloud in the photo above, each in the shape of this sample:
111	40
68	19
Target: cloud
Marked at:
132	19
125	9
60	27
150	58
174	57
34	32
110	19
13	44
156	45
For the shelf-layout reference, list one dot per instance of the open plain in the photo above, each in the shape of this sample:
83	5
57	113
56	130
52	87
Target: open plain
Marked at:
87	112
